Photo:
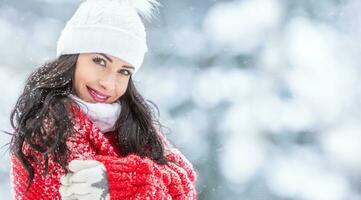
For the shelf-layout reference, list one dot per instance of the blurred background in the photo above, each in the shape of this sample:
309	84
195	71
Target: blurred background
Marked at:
262	96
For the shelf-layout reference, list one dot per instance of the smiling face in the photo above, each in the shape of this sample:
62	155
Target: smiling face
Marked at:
101	77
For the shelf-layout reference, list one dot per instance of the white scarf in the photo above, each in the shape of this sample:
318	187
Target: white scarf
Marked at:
103	115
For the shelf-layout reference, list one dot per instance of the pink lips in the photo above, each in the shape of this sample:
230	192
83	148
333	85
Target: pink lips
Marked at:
97	96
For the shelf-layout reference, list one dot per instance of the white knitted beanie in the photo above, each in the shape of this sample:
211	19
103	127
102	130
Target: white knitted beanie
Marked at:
112	27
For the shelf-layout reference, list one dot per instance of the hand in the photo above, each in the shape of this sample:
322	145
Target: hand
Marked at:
86	181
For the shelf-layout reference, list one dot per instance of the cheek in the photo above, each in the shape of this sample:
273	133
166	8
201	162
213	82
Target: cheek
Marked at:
83	76
121	88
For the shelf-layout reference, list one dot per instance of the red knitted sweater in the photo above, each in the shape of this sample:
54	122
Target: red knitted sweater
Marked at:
130	177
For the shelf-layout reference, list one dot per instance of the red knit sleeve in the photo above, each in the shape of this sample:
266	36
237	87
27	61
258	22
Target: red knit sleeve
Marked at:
45	187
133	177
42	187
176	156
184	177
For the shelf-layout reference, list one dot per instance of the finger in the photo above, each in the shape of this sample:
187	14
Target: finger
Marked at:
80	176
63	192
77	189
86	197
76	165
65	179
66	193
92	196
80	196
71	197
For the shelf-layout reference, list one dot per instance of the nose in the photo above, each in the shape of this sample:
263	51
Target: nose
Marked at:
107	82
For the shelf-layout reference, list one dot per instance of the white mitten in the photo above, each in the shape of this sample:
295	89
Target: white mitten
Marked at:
86	181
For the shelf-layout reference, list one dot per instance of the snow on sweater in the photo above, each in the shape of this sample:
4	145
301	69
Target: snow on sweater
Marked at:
130	177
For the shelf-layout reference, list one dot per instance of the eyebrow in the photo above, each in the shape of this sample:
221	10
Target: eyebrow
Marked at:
110	60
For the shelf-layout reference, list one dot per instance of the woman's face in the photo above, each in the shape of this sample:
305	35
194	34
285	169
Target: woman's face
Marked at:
101	77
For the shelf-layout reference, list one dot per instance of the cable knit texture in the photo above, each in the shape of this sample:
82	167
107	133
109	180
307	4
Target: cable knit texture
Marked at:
130	177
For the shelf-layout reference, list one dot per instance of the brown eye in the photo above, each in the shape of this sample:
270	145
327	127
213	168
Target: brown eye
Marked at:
125	72
99	60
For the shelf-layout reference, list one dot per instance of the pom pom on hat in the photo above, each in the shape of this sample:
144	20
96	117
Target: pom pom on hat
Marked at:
144	8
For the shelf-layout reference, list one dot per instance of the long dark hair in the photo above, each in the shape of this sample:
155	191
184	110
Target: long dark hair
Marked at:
41	121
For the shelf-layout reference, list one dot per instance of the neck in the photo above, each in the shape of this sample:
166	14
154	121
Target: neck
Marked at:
103	115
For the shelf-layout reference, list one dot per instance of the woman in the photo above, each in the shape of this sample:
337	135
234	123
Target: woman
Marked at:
82	130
